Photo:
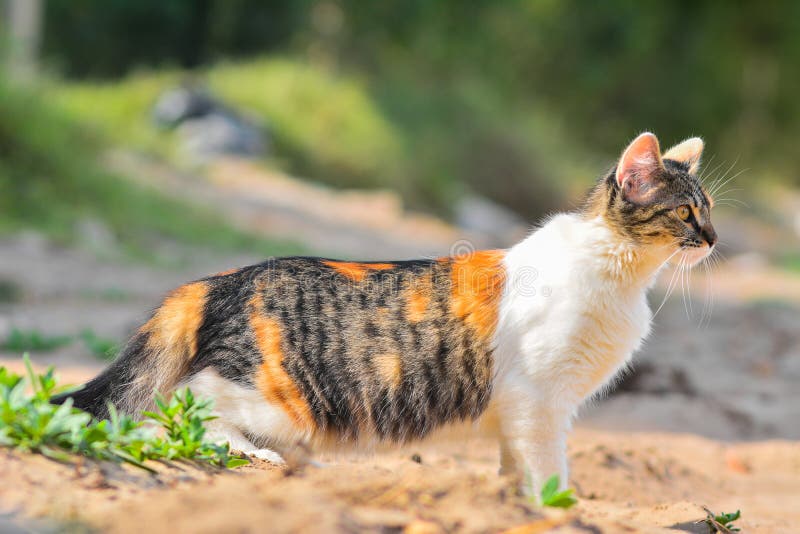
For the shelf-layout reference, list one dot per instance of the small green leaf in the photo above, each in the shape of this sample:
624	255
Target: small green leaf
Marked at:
31	375
725	520
728	518
562	500
236	462
550	487
550	496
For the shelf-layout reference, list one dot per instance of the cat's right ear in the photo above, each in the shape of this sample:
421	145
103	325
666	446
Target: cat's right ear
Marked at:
687	152
639	167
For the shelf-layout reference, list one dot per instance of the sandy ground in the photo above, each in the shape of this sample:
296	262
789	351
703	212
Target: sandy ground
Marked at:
626	482
707	417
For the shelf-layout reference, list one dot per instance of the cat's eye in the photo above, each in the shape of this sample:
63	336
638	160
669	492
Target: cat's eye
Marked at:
684	212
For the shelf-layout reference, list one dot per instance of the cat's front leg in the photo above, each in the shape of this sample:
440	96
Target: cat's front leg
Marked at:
533	447
508	463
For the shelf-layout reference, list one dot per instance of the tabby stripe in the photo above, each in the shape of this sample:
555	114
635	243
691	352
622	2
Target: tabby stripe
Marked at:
654	215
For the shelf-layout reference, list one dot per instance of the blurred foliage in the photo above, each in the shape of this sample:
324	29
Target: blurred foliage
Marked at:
33	340
321	125
51	179
329	127
119	110
105	38
502	97
100	347
790	260
9	291
724	70
326	125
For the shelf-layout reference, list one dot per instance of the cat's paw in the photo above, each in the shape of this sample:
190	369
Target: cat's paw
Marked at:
268	455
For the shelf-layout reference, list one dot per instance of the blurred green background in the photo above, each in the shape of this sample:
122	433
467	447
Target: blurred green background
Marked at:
520	102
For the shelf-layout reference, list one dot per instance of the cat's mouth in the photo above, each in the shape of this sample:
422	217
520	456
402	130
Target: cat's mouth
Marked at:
692	254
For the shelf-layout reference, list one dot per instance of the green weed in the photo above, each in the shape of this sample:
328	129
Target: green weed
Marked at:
33	341
182	417
721	523
550	496
175	431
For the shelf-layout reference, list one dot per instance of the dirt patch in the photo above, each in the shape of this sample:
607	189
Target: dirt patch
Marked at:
639	482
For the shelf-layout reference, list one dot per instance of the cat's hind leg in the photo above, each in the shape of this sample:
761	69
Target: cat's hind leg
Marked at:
218	431
244	419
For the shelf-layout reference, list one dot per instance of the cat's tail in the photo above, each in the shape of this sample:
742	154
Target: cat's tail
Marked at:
154	360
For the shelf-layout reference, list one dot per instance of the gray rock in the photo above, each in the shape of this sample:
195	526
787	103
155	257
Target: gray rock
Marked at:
208	128
216	134
183	103
481	215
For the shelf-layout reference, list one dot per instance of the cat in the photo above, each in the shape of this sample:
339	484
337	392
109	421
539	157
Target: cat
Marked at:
328	353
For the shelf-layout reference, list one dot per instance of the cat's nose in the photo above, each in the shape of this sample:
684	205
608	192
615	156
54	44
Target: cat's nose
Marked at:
709	234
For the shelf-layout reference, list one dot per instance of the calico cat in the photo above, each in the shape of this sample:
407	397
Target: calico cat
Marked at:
334	353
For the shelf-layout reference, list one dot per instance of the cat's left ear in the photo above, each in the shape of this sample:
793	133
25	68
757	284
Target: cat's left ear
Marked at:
639	168
687	152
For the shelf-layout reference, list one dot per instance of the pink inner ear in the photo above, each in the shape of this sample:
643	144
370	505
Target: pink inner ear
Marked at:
640	160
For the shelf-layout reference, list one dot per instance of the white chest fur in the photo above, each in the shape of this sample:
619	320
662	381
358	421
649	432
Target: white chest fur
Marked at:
573	312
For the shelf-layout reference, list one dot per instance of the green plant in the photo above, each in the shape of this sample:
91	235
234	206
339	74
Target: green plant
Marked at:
32	340
182	417
103	348
550	496
26	421
722	522
29	422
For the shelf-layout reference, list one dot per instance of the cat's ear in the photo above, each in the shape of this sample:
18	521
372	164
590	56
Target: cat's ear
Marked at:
638	168
687	152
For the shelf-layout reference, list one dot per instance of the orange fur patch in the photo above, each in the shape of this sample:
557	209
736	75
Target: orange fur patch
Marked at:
357	271
272	381
477	284
418	297
173	328
389	367
225	273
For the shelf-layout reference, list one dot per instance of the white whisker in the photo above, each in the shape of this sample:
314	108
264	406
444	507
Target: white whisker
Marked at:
727	202
725	178
683	286
701	177
712	172
670	286
708	302
731	190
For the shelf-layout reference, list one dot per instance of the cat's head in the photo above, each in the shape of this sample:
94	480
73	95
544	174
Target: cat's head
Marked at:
658	200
